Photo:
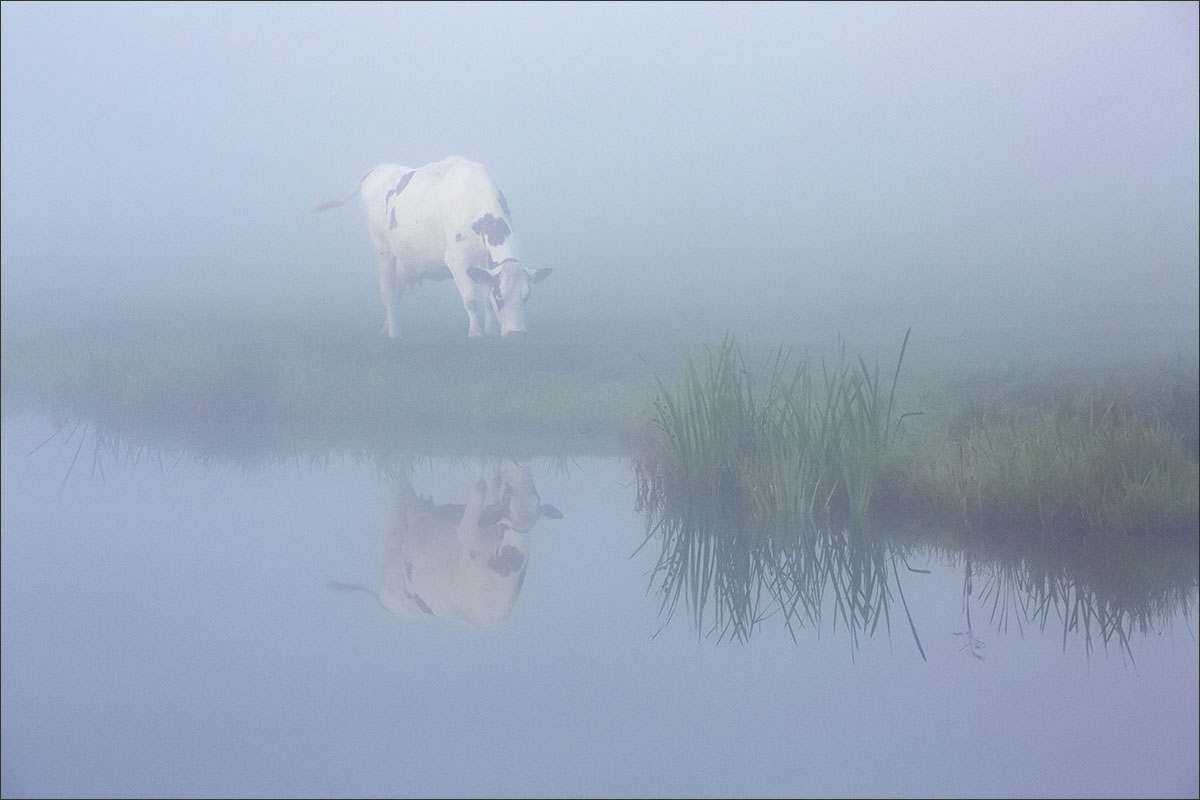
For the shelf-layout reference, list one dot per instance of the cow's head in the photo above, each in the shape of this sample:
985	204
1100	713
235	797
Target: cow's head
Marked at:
463	561
507	285
519	499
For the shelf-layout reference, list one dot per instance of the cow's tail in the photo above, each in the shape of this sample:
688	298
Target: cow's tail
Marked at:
339	586
341	201
349	588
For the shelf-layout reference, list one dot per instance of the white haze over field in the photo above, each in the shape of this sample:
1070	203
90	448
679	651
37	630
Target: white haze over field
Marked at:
991	157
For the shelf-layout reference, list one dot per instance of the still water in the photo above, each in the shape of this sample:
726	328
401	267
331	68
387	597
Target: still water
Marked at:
481	627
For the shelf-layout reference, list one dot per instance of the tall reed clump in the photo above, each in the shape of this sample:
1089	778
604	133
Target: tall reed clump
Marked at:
783	443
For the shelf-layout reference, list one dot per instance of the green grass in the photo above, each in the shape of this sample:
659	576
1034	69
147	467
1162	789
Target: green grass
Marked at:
181	377
778	442
1069	472
1109	452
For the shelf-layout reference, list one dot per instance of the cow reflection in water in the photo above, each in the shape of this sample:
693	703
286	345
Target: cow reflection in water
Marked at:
462	561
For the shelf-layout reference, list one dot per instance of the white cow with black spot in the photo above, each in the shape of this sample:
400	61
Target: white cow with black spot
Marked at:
446	220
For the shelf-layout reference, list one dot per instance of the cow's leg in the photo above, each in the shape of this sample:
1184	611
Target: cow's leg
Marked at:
389	291
491	323
474	296
478	528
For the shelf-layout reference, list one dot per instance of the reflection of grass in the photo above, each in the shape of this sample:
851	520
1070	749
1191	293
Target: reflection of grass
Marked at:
1103	596
733	572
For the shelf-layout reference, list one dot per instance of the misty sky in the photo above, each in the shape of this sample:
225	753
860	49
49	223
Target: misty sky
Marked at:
782	153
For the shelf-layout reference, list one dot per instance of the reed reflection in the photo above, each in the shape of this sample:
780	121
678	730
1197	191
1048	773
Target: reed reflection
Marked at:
734	569
462	561
1101	595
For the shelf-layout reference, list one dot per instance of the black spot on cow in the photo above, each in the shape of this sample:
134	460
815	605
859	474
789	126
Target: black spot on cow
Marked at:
503	203
421	604
392	224
458	237
508	561
493	229
399	188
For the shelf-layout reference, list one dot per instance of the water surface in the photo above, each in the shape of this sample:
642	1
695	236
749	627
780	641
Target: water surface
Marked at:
170	628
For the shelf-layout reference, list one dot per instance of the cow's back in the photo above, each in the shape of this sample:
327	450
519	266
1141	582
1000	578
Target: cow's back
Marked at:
425	212
463	190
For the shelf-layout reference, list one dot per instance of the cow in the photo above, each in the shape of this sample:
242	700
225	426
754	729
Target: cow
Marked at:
445	220
461	562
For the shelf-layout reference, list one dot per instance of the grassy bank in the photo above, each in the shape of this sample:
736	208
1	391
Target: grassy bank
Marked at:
827	444
771	432
244	382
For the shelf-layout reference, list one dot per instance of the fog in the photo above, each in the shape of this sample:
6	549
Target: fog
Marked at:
728	157
1012	179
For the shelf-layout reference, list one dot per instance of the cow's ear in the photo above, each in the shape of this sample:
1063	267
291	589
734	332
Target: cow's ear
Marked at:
479	275
535	275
